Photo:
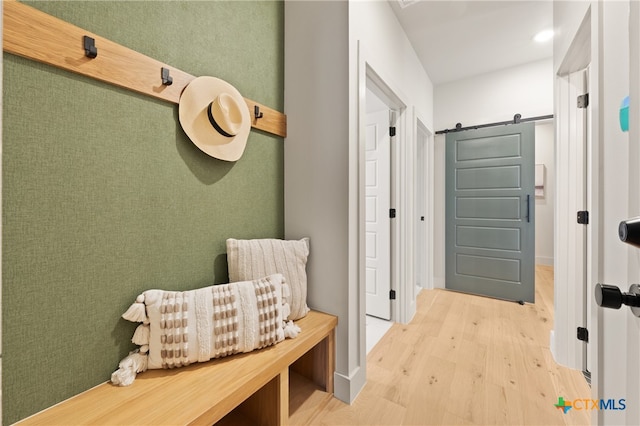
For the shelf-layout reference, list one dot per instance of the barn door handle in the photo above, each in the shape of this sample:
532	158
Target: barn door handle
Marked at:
528	207
610	296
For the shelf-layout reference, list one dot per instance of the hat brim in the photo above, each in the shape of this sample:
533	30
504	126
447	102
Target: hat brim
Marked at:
192	112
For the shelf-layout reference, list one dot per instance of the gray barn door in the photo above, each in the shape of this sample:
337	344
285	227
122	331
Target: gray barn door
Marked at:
490	212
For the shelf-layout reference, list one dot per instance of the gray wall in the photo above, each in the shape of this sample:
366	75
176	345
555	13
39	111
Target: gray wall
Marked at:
323	78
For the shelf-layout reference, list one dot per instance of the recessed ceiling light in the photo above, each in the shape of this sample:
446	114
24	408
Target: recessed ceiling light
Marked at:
543	36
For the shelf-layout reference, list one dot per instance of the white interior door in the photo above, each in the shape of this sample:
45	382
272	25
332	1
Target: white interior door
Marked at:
624	346
571	252
575	245
616	349
378	226
631	341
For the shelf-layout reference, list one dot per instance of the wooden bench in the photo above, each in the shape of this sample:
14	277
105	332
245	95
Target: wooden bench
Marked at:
251	388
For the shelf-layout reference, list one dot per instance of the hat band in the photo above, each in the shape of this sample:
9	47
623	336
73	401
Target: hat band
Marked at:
215	125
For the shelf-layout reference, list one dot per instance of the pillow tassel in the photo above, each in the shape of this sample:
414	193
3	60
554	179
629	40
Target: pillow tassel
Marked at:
136	312
141	335
134	363
286	311
291	330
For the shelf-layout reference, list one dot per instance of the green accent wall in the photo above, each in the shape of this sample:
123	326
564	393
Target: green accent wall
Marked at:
104	196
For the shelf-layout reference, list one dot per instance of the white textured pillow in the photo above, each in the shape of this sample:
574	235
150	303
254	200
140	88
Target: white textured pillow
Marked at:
251	259
182	327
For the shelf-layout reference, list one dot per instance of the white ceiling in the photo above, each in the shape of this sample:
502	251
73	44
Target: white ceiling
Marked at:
458	39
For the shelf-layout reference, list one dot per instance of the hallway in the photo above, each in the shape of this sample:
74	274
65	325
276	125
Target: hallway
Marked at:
466	360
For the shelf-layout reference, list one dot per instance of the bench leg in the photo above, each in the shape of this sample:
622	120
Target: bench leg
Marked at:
331	360
283	403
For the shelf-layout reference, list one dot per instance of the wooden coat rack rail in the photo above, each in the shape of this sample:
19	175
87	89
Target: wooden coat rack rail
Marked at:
36	35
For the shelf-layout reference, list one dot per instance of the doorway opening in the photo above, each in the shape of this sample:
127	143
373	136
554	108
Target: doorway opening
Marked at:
382	125
423	243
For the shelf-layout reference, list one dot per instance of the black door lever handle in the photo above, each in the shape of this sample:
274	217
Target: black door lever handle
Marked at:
629	231
610	296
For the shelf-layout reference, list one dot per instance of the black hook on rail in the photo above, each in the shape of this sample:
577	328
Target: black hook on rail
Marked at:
256	112
167	80
90	49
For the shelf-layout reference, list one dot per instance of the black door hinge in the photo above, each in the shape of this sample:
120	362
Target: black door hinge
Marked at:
583	217
583	101
392	294
392	213
583	334
392	131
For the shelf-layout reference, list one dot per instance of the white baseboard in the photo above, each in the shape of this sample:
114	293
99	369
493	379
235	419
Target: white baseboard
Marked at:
544	260
438	282
346	389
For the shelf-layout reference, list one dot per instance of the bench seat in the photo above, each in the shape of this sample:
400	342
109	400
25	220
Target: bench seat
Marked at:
257	383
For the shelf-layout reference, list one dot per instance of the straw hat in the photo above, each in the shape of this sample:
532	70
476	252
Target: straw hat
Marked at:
215	117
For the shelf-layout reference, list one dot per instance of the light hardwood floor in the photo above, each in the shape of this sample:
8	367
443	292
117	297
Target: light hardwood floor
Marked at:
465	360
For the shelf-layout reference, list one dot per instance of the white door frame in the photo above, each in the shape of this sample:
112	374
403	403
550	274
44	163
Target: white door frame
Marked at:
569	259
424	137
584	50
381	89
402	190
423	140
